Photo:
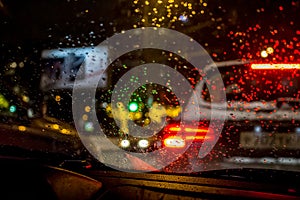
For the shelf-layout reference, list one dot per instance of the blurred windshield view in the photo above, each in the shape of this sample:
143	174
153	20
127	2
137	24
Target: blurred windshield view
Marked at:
253	58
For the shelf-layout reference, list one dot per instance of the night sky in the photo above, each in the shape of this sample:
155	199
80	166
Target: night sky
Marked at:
27	27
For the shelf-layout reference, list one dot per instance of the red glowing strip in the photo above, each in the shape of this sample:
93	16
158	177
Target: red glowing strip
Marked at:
195	130
188	130
198	137
174	129
275	66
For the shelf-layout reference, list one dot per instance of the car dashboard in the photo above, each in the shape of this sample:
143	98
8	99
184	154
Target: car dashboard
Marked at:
29	179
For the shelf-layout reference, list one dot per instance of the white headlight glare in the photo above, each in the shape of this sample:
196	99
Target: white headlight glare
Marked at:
143	143
125	143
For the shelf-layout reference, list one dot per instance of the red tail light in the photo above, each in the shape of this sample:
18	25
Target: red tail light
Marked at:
275	66
173	129
188	133
199	137
187	129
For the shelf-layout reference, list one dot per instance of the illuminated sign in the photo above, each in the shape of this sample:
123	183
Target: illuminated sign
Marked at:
62	66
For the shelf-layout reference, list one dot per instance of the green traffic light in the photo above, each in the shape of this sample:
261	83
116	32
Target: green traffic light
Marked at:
133	106
13	108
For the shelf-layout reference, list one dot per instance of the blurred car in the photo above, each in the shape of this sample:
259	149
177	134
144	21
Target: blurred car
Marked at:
262	116
20	125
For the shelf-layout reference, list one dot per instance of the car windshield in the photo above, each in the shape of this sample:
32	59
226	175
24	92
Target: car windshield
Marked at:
174	86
